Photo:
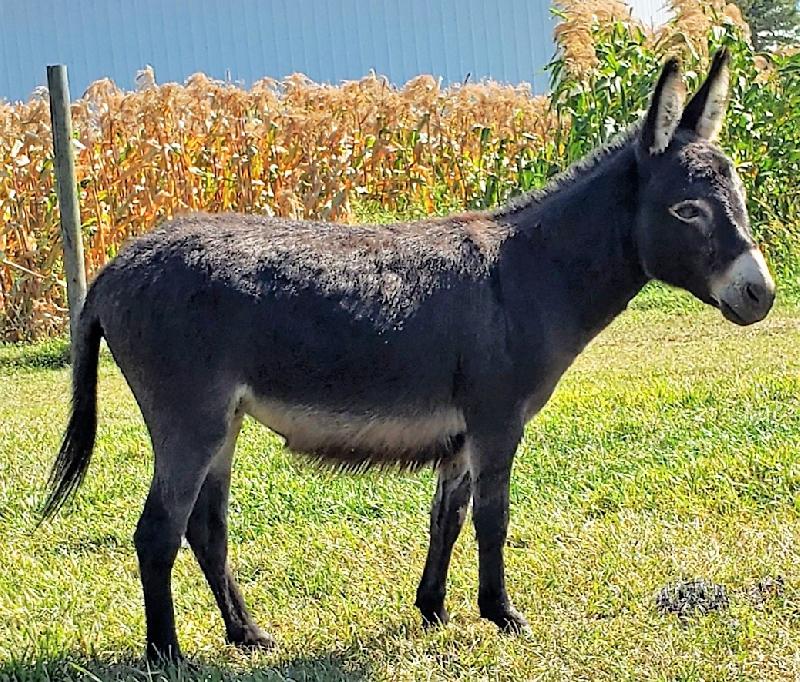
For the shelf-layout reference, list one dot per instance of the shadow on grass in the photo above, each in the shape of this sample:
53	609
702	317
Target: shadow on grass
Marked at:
325	667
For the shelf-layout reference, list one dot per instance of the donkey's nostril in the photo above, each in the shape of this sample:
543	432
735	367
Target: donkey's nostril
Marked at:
754	292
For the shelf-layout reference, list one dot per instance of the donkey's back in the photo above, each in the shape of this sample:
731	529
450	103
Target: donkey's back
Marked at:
381	272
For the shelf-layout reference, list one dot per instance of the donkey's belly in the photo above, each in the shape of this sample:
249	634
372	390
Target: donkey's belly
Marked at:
359	440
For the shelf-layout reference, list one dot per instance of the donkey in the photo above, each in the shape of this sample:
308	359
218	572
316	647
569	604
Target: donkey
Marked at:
427	343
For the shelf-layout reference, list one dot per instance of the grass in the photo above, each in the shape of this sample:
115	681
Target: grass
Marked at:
668	452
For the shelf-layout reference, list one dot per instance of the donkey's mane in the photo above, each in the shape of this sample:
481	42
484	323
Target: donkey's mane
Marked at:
570	176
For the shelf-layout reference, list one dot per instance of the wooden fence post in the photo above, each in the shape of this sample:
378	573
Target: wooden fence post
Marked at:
67	189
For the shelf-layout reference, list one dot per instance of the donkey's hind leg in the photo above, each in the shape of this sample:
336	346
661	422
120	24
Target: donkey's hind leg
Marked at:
449	509
207	533
185	442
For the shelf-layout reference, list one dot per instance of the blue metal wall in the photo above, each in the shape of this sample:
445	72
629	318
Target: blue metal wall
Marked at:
328	40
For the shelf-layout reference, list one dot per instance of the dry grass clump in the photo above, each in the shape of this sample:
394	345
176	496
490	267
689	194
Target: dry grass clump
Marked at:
693	21
688	30
574	34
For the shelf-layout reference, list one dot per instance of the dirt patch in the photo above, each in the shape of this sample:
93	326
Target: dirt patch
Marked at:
696	597
691	597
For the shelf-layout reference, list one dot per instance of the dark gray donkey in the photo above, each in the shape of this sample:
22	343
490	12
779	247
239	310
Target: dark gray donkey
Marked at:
429	343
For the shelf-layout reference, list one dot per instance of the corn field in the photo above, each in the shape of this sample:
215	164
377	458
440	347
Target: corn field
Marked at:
300	149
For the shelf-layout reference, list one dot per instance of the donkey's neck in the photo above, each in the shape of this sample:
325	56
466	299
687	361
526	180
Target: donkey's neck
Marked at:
582	227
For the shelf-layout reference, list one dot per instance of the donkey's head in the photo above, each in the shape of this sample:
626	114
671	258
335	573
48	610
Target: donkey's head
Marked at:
692	228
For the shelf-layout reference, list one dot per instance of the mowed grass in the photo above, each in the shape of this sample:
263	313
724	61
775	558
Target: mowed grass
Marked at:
668	452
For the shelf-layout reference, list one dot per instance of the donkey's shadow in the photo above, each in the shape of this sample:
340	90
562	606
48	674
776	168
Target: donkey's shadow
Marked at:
323	666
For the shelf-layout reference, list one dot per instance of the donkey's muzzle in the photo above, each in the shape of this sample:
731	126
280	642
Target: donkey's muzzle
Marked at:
745	291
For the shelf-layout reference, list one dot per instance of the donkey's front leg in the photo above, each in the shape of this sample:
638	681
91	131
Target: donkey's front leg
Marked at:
492	456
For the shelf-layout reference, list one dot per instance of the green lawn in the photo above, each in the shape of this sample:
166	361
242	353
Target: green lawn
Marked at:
669	452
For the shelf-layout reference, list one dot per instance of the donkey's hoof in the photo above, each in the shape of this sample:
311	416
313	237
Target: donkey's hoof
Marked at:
164	655
434	618
432	609
252	637
514	623
509	620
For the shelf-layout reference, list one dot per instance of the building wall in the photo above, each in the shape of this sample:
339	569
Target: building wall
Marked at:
654	12
243	40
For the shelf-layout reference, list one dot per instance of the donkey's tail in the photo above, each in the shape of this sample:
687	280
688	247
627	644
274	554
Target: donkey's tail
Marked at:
76	448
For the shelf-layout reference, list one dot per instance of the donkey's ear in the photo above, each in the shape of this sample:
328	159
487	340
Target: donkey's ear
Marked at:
665	109
706	110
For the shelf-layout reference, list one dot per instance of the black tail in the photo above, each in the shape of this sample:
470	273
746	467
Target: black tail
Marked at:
76	449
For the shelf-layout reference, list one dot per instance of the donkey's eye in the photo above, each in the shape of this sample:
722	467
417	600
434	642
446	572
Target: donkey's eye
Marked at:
686	210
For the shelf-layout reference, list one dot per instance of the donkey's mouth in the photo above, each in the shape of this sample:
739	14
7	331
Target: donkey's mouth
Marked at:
730	314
